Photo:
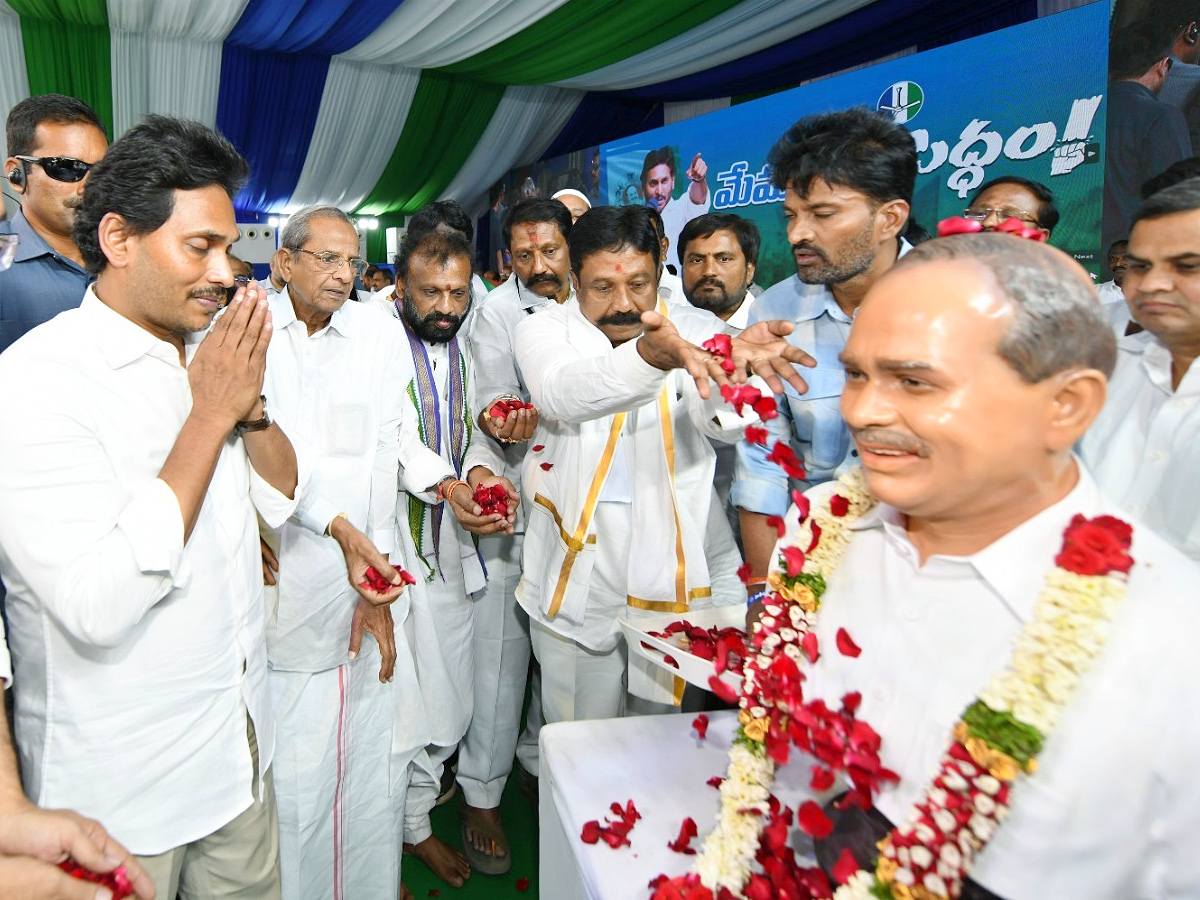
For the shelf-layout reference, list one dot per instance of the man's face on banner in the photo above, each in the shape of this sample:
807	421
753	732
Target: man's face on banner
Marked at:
658	186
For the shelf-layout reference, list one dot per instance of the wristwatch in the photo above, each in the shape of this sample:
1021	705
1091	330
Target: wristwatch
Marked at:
261	424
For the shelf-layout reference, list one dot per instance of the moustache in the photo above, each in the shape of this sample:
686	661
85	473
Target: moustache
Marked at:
73	202
217	294
623	318
544	278
805	247
711	282
890	440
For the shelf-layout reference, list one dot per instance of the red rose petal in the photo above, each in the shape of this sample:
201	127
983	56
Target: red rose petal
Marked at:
744	572
802	504
538	448
813	821
715	782
958	225
839	505
522	885
700	723
756	435
822	779
546	467
670	661
614	839
846	645
851	701
845	867
497	412
591	832
766	408
722	690
794	558
785	457
687	831
777	523
808	644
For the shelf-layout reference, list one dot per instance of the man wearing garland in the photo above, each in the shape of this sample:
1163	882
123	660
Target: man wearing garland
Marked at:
848	178
439	543
1145	447
619	477
972	369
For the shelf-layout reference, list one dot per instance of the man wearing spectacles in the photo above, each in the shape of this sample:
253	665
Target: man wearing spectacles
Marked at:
53	142
1013	197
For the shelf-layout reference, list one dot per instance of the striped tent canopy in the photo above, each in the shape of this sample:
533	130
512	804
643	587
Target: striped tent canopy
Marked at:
379	106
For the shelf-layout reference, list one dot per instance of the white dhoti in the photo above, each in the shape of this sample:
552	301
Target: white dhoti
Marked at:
439	632
500	646
340	797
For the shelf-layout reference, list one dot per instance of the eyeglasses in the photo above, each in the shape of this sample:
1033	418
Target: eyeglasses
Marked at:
328	261
61	168
8	249
1008	212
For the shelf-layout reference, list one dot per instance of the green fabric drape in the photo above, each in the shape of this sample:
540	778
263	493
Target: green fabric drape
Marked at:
446	120
585	35
68	50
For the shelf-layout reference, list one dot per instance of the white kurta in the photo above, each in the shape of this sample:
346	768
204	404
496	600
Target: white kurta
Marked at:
1114	806
1144	447
618	433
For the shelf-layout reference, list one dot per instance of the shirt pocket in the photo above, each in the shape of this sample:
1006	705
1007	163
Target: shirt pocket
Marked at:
817	417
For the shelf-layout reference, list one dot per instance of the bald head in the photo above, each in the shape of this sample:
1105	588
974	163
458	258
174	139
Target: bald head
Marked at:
1057	323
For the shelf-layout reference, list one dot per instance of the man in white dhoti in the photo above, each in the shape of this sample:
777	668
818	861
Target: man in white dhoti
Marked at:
437	383
619	477
333	370
535	233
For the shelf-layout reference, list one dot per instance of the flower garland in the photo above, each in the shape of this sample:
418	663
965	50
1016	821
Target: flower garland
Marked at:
997	739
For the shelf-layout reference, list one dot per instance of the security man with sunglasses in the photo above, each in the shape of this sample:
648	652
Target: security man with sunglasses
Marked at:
53	142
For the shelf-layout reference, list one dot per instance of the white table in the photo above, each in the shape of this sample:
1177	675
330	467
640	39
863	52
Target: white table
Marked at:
657	762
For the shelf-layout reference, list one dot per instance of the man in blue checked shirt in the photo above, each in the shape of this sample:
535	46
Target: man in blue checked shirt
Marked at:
848	178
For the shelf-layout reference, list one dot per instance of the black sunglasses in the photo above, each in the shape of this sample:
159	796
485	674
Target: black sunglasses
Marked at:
60	168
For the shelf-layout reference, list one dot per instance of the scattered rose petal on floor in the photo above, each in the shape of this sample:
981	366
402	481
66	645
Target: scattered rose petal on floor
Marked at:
700	723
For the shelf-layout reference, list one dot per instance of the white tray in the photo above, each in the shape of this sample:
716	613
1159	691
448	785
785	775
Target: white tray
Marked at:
692	669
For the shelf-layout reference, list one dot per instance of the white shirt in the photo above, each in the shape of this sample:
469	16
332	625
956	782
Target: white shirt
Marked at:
677	213
1114	808
1114	307
741	316
1144	447
137	656
337	394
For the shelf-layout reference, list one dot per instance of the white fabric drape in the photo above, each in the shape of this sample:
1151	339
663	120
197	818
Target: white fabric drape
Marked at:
747	28
362	114
14	81
429	33
166	57
689	109
525	123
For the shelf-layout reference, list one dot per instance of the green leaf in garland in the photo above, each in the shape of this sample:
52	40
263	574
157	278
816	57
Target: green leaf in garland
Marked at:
1003	732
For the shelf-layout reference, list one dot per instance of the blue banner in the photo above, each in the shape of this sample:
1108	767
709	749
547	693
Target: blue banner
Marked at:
1027	100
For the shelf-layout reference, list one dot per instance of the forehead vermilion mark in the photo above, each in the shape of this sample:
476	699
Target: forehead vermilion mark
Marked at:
531	233
620	268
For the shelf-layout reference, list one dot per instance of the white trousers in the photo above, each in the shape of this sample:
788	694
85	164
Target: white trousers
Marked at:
500	646
340	797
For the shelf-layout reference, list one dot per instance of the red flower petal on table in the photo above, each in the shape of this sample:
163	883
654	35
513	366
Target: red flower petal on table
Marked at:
839	505
794	558
631	814
785	457
721	689
670	661
617	810
538	448
756	435
522	885
546	467
846	645
822	779
850	702
687	831
777	523
715	782
813	821
614	839
758	888
808	644
744	572
700	723
802	504
958	225
845	867
591	832
765	408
